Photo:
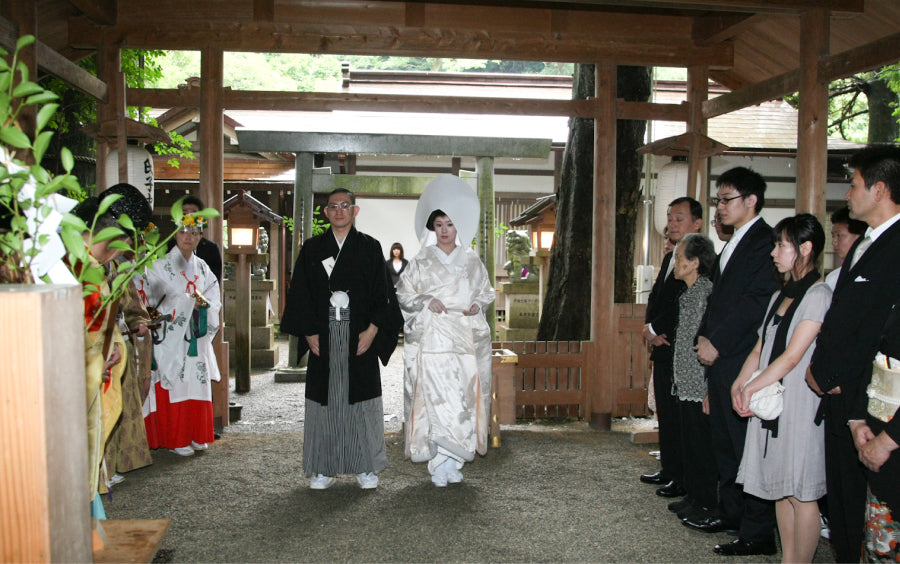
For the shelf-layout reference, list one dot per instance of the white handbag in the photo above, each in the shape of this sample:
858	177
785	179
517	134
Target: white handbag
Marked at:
768	402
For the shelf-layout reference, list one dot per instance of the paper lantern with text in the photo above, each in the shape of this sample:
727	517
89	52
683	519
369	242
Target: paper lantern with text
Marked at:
140	170
671	183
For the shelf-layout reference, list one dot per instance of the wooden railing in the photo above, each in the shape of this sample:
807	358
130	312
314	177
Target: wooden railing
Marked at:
549	376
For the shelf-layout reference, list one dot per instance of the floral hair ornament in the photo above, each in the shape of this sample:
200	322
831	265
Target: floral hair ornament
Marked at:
192	220
151	228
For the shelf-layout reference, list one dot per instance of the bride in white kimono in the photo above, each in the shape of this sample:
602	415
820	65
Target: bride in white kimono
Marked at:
178	411
447	341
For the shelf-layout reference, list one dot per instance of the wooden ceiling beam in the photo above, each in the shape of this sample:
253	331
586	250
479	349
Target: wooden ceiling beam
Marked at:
413	43
781	6
400	29
720	27
56	64
325	101
102	12
878	53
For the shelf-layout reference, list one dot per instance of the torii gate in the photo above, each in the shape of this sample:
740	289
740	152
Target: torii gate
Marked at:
485	149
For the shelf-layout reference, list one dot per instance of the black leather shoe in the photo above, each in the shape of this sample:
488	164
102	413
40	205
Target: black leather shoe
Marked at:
743	547
672	489
655	479
694	513
679	505
708	525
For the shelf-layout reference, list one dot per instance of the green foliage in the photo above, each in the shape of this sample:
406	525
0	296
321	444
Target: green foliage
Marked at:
319	225
27	191
306	73
141	69
848	104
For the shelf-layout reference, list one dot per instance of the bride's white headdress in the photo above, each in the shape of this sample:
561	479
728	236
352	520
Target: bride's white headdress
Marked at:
454	197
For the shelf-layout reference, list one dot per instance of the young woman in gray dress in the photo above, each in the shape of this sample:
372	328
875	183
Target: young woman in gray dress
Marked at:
784	459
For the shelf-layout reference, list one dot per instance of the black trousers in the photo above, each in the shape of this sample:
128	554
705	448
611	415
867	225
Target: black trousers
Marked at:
669	422
846	482
699	463
754	517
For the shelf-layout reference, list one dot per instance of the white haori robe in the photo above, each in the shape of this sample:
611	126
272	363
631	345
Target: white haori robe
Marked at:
447	378
185	377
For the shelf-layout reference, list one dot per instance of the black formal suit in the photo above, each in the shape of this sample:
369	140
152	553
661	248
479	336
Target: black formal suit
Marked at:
845	347
884	484
734	313
662	315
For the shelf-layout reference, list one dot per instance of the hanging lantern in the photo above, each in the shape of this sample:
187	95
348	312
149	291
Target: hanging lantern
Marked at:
671	183
140	170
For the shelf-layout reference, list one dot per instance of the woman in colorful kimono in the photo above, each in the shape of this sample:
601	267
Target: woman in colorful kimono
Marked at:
442	294
178	410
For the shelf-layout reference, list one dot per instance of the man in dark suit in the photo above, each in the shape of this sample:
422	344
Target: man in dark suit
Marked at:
685	215
867	288
744	283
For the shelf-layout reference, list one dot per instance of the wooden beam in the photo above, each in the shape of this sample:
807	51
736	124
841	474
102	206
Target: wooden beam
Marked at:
264	10
786	6
651	111
56	64
328	101
387	144
878	53
444	30
720	27
102	12
883	51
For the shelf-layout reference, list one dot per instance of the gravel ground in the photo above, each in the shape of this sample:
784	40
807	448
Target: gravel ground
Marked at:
551	493
272	406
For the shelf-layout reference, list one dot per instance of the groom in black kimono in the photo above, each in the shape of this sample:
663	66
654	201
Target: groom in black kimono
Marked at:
343	308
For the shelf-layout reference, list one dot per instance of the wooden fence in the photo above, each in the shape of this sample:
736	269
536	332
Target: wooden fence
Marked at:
549	376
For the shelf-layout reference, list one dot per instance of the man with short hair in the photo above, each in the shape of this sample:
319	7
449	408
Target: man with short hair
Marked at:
743	285
844	232
342	307
685	215
841	367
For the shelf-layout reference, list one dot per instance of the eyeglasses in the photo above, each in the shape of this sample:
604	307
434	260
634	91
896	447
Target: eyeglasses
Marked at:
716	201
342	206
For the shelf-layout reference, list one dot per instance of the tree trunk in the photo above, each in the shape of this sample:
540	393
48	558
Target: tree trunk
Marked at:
565	315
883	126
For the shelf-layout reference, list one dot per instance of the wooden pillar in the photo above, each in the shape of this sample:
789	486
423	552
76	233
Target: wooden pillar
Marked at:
212	192
600	391
812	120
484	168
242	329
276	264
697	93
303	216
109	63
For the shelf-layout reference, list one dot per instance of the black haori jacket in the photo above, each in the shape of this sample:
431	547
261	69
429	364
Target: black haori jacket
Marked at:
359	270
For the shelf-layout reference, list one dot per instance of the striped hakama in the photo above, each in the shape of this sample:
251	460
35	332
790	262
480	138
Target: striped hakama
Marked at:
342	438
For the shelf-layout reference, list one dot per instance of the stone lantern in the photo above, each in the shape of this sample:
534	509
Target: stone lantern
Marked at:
247	303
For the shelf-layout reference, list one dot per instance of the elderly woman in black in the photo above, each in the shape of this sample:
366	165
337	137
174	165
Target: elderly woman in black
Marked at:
695	259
